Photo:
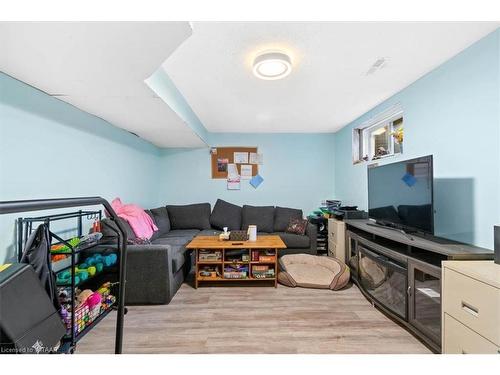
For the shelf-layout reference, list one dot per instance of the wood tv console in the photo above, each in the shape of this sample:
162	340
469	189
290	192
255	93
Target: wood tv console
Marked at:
401	274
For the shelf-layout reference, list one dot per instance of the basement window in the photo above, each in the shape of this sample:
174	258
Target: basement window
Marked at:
379	137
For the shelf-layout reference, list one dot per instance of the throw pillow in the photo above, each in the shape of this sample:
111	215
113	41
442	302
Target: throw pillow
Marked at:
262	216
226	214
283	215
189	216
297	226
109	228
160	217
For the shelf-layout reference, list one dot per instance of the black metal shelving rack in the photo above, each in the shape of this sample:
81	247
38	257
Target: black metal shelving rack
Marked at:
24	227
321	224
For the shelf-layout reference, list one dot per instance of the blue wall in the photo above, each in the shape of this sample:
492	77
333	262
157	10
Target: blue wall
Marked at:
51	149
297	171
452	113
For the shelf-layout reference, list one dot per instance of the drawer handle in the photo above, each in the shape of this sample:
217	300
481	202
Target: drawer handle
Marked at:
470	309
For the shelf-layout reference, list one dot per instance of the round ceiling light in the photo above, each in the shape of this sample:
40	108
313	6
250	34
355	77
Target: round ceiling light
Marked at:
272	65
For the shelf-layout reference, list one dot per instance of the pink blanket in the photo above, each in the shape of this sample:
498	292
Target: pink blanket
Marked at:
140	222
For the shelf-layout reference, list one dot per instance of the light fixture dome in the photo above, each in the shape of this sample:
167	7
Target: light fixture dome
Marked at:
272	65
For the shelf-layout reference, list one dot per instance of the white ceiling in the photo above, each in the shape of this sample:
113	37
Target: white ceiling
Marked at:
328	87
100	68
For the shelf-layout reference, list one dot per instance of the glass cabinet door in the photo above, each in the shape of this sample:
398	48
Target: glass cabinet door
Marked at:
424	292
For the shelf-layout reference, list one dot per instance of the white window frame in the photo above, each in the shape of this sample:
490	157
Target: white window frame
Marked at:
361	136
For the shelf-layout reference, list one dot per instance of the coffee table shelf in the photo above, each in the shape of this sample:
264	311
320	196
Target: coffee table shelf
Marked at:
265	245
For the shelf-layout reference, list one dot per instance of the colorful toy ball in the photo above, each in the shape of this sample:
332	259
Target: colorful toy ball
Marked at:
93	300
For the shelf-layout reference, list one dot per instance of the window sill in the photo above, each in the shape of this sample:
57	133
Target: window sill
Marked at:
357	162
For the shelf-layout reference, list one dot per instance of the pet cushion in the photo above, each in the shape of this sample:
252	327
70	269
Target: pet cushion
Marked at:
282	217
262	216
226	214
311	271
297	226
190	216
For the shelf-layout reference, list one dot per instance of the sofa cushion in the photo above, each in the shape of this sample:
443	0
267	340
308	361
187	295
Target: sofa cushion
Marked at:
226	214
182	233
262	216
108	228
172	241
178	250
160	217
282	217
295	241
156	234
209	232
190	216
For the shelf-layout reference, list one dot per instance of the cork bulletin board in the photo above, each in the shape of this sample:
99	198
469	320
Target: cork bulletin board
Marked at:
228	153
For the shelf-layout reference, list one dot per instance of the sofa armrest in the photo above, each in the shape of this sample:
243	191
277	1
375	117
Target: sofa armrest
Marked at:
149	274
312	233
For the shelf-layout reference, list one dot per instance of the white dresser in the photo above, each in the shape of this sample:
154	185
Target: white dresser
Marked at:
470	307
336	239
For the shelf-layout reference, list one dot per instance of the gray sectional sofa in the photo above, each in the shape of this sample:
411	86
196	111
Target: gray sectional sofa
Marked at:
156	271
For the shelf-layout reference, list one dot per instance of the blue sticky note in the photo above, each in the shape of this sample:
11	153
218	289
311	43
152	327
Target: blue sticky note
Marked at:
256	181
409	179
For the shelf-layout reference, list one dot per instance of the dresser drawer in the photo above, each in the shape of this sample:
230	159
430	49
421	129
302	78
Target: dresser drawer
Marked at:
473	303
458	339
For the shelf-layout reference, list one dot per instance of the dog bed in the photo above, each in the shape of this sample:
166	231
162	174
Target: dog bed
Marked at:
310	271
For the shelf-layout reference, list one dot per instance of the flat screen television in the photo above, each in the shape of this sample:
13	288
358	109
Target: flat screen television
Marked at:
400	195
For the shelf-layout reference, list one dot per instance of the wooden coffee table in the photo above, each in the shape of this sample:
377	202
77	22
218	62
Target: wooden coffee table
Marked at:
216	255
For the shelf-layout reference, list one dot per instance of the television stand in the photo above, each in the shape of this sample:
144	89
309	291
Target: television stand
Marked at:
391	228
401	274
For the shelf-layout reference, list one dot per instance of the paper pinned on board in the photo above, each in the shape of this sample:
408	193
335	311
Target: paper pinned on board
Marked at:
246	171
240	157
256	158
233	183
232	171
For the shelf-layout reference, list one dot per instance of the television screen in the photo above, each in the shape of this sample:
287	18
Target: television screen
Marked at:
400	194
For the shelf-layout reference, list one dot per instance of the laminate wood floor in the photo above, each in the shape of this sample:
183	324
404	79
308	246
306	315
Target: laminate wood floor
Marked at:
256	320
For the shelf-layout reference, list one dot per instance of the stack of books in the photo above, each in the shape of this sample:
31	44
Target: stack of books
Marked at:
210	255
255	255
268	256
262	272
236	271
